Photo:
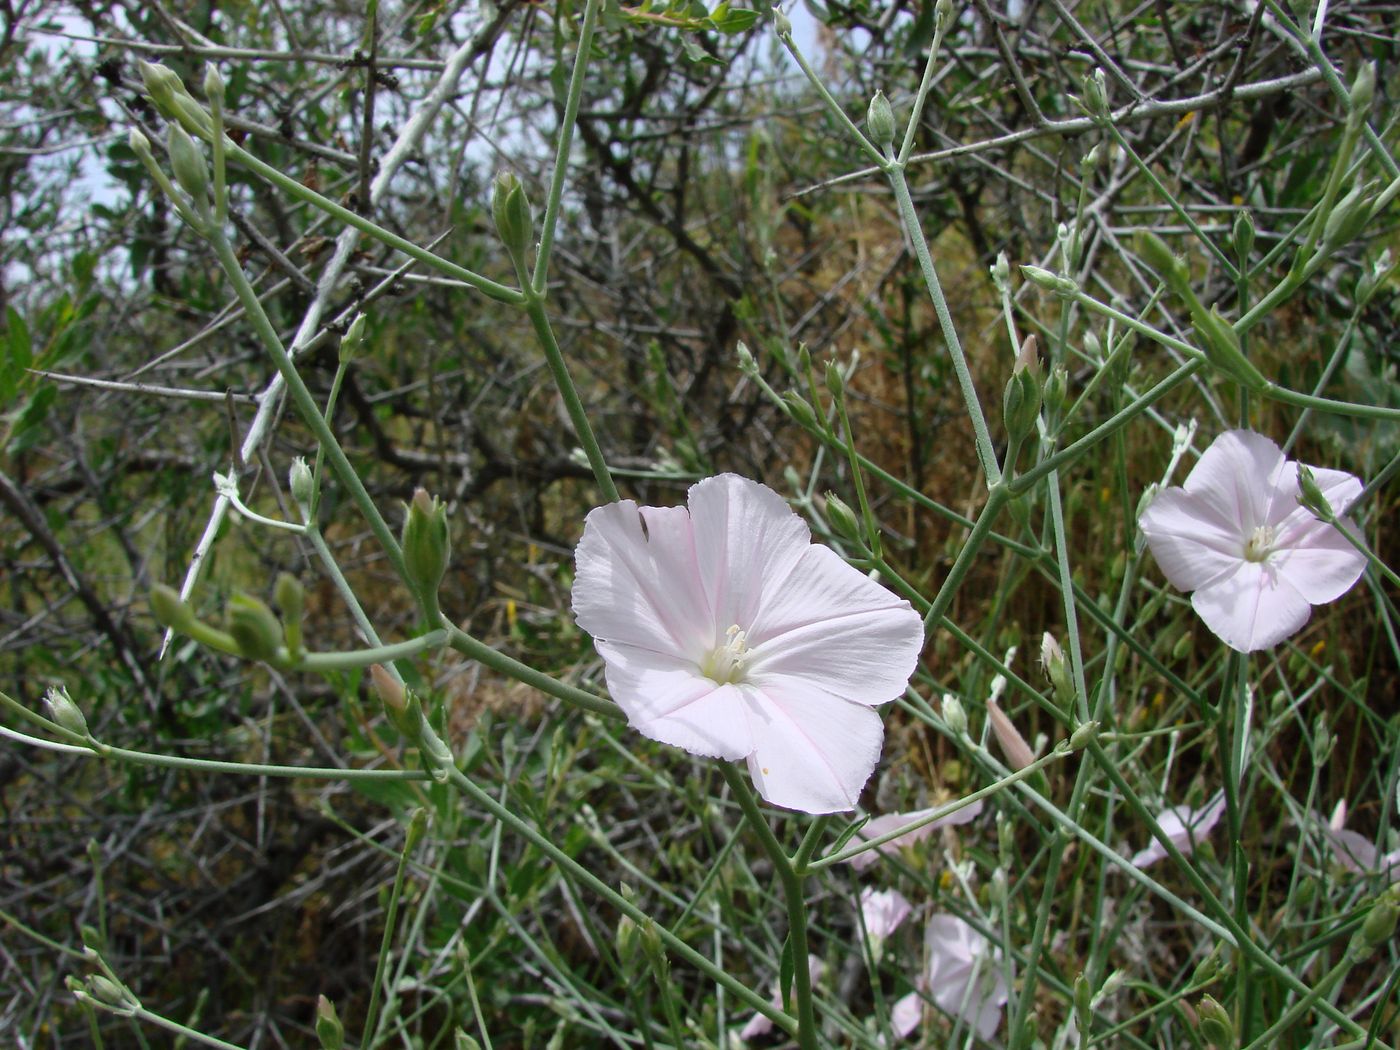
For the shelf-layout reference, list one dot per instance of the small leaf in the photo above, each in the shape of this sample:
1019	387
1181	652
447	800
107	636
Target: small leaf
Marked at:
732	20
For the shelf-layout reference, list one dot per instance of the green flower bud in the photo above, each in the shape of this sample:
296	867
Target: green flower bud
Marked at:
162	85
352	343
1378	928
329	1030
626	940
1052	657
1244	234
426	546
291	599
105	990
511	211
1064	287
254	627
213	84
187	161
1222	349
301	483
1056	389
843	519
1348	217
462	1041
170	610
141	146
66	713
835	381
1081	737
93	941
1094	100
1001	274
1215	1024
1083	1000
954	714
942	16
801	412
1020	405
879	120
747	364
1363	90
417	828
781	25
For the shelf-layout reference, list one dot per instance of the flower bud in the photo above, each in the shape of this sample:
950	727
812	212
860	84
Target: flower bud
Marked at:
1052	658
66	713
1244	234
1021	401
1093	159
781	25
842	518
170	610
1222	349
835	381
626	940
462	1041
426	546
213	84
1064	287
1013	745
141	146
511	211
254	627
747	364
1363	90
1311	496
187	161
352	343
417	828
329	1030
1082	736
954	714
1001	274
1215	1024
1348	217
879	121
942	16
801	412
290	598
107	991
301	483
1083	1002
162	85
1094	99
1379	926
1056	390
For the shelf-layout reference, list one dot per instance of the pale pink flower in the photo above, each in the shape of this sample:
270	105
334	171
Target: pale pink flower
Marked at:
1356	852
1185	827
890	821
883	911
1237	537
726	632
963	979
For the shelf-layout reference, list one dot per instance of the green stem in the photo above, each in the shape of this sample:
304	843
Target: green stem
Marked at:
381	654
996	499
293	188
305	403
386	942
512	668
796	903
561	152
534	307
985	453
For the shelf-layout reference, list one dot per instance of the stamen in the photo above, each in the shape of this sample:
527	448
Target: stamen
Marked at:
1260	544
725	664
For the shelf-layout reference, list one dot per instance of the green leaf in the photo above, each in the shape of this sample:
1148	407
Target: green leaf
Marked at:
698	54
21	348
732	20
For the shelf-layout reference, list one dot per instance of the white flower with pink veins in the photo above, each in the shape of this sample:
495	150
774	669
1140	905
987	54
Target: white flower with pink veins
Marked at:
1237	536
726	632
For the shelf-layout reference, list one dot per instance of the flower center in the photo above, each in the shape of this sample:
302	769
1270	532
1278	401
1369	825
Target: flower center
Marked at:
1260	544
725	663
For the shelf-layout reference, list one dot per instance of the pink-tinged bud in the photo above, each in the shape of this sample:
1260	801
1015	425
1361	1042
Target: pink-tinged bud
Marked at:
1013	745
329	1030
389	689
426	546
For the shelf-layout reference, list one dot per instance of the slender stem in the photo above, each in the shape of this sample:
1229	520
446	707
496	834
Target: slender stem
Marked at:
371	1029
499	661
796	903
985	453
380	654
562	149
996	499
534	306
306	404
833	107
291	186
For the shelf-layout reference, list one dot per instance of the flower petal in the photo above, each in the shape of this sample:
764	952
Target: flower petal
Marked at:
1253	608
1192	543
906	1014
890	821
747	539
642	588
1237	477
833	627
883	911
815	751
667	699
1319	561
964	977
